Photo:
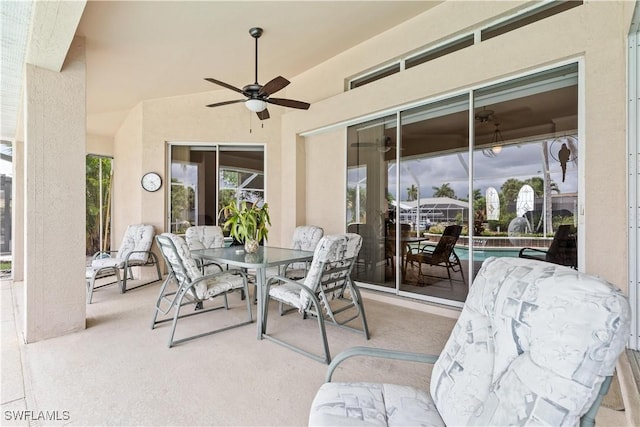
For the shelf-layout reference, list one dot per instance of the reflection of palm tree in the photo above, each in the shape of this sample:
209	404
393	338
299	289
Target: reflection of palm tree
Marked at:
444	190
412	193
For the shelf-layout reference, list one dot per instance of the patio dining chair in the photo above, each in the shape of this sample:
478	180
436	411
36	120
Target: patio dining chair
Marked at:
205	237
193	288
443	254
535	344
305	238
327	293
563	249
134	251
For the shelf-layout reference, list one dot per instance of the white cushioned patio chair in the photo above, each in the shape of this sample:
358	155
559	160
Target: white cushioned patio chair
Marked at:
205	237
326	293
134	251
305	238
535	344
193	288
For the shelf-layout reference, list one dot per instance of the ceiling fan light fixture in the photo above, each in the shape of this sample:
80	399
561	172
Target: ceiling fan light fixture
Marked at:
255	105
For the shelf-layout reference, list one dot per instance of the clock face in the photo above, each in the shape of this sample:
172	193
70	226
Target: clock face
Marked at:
151	181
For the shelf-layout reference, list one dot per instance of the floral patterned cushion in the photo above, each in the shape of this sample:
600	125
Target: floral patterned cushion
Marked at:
306	238
532	346
367	404
139	238
204	237
182	261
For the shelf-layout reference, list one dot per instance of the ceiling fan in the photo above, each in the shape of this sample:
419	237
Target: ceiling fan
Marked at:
258	96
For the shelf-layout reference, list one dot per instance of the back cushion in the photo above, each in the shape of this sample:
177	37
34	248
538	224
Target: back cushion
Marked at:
533	344
204	237
138	237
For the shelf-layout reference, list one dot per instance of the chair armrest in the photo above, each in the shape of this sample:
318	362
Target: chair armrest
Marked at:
379	353
100	253
538	252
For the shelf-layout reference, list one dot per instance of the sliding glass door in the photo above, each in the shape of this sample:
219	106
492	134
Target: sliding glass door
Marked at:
490	172
206	177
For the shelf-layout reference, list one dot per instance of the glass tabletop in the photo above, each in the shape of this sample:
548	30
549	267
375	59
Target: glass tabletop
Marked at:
266	256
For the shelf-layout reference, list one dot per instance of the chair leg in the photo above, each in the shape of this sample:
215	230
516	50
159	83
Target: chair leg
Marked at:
357	299
159	299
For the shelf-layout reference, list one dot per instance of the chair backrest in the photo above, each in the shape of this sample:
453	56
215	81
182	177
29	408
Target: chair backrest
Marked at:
563	249
204	237
137	237
332	262
306	237
446	244
533	344
177	255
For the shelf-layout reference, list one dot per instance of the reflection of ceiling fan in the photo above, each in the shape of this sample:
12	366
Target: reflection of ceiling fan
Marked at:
257	95
484	115
383	146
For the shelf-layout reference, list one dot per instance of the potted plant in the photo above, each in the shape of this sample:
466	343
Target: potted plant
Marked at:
247	223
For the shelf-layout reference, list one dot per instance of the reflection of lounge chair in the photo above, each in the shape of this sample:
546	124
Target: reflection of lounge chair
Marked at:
563	249
443	254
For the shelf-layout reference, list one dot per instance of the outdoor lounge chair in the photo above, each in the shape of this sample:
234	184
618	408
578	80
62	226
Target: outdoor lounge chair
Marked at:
192	288
443	254
535	344
563	249
326	293
305	238
134	251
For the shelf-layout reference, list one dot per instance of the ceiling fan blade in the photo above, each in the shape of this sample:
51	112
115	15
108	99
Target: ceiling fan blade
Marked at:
228	86
263	115
273	86
217	104
289	103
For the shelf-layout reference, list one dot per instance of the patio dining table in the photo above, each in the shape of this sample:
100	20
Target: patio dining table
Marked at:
265	257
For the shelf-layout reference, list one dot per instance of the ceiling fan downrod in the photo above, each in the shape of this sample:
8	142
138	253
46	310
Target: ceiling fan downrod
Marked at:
256	32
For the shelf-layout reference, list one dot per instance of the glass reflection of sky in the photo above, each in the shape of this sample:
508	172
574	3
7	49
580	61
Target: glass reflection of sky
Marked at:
184	173
515	161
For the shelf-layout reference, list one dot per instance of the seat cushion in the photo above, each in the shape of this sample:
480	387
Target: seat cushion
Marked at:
287	293
217	285
370	404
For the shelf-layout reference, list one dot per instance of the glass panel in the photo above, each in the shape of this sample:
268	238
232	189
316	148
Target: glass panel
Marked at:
98	204
193	187
525	168
371	162
197	172
434	187
6	171
241	175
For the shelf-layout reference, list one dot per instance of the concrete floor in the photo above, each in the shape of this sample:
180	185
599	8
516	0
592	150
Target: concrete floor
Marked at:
120	372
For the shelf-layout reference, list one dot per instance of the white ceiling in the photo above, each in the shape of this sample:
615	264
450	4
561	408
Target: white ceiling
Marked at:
140	50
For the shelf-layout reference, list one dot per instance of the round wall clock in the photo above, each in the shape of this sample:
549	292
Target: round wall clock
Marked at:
151	181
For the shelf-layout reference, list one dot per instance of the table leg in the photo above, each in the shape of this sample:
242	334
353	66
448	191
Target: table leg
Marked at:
261	279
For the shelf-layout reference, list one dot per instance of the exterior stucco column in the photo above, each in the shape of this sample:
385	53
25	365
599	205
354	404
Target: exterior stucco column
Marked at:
17	206
54	206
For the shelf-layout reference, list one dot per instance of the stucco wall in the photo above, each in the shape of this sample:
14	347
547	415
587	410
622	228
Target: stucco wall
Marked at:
569	35
302	175
155	123
54	197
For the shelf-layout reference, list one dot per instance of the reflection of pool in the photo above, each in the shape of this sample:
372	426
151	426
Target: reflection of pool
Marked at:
480	254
